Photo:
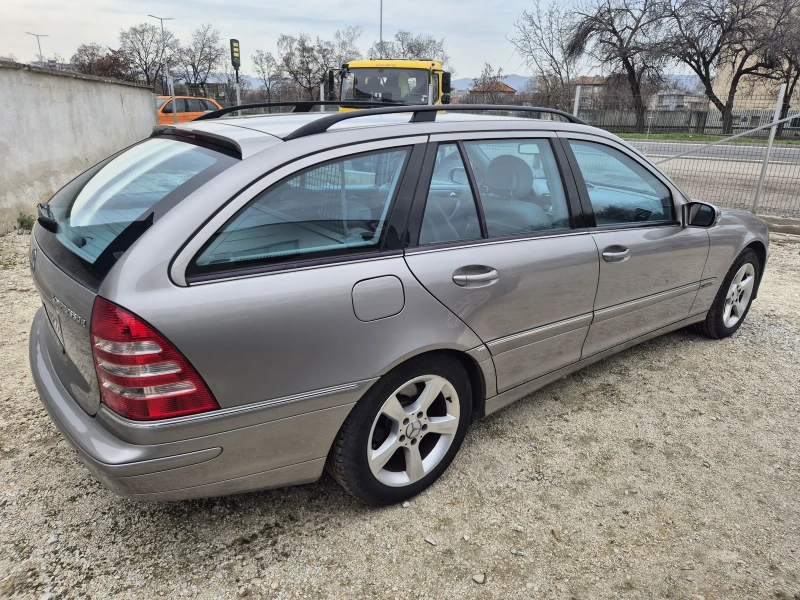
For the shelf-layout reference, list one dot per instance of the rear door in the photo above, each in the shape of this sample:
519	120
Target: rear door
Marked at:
496	238
651	266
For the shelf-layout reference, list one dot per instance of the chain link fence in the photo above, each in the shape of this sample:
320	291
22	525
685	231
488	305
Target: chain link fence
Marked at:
736	160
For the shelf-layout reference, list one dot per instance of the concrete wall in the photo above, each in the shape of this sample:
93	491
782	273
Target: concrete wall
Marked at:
54	125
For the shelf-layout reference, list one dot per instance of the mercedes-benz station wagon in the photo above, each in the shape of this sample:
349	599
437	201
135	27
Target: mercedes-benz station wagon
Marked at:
236	303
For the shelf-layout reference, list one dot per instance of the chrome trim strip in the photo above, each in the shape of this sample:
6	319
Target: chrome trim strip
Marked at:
515	393
707	282
490	241
217	414
627	307
538	334
480	353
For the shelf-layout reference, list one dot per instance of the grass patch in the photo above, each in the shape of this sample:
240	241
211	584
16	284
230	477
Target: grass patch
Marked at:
706	139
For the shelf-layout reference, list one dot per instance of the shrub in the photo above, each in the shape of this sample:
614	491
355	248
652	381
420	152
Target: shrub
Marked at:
25	222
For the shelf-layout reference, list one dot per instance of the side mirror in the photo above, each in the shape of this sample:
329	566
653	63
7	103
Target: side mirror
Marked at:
700	214
459	176
446	82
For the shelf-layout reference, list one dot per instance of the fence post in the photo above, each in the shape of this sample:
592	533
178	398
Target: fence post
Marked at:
577	106
772	130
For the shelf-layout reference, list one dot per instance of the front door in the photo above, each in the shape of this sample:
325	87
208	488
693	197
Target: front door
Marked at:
650	266
510	266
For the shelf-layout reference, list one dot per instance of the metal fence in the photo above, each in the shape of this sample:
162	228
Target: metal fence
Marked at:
754	166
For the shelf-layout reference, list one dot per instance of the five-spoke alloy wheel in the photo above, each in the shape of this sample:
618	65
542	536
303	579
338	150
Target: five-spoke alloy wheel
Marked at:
734	297
405	431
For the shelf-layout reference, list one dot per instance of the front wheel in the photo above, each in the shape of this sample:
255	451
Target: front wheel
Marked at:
404	432
734	297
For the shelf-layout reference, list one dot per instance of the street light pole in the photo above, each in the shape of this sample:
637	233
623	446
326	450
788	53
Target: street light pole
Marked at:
380	35
38	41
165	65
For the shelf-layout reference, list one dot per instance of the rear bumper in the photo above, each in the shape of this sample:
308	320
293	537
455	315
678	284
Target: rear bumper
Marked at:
253	449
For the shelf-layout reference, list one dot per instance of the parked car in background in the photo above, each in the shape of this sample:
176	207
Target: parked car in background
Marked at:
187	107
235	303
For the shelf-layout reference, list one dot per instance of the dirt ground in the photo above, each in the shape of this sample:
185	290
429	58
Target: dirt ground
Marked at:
668	471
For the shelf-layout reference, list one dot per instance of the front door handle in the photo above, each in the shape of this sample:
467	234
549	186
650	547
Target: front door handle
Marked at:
463	279
616	254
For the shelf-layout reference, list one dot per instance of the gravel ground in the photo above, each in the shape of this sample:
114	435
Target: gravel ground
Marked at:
670	470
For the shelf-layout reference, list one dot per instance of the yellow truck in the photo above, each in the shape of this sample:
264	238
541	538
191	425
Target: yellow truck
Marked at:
395	80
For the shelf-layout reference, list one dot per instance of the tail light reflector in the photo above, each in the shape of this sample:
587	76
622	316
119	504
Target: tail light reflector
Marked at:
142	375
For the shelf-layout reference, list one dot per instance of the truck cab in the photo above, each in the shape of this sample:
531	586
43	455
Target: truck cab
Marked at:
395	80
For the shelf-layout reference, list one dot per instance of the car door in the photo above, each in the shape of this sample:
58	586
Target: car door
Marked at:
494	238
651	266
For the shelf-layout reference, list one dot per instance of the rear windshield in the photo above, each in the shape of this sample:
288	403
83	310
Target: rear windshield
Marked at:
103	211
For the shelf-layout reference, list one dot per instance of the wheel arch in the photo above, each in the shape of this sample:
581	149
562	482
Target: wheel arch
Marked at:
760	249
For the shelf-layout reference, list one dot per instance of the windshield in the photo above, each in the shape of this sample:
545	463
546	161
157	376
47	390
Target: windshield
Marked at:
391	84
103	211
160	102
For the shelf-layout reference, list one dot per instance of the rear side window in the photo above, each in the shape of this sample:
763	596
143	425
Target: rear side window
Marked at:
101	212
195	105
519	186
340	207
620	189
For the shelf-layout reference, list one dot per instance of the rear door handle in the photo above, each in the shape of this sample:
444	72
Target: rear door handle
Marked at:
616	254
462	279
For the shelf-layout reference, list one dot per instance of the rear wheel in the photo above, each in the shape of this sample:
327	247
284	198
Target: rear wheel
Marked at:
404	432
734	297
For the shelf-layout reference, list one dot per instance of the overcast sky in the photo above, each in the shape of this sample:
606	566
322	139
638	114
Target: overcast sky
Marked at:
476	31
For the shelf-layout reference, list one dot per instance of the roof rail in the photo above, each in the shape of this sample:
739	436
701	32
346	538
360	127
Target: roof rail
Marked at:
300	106
422	113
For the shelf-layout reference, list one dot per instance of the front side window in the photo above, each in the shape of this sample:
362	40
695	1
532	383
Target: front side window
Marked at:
195	105
620	189
340	207
450	214
519	186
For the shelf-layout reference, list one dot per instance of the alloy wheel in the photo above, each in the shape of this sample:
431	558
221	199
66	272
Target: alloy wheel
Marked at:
738	296
413	430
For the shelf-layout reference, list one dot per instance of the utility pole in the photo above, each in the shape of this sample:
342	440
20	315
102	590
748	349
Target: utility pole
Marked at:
165	66
38	41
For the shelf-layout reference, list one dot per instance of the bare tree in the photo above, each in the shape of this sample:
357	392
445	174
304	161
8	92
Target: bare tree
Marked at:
144	45
625	36
305	62
542	39
782	49
268	70
115	64
488	87
409	45
228	80
730	35
85	58
196	60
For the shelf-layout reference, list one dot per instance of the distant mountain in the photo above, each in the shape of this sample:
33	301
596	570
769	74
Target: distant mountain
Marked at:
517	82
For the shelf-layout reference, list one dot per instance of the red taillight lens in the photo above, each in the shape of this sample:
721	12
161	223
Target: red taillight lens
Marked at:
142	375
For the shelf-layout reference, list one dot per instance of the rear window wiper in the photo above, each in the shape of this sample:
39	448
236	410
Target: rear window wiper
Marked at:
45	218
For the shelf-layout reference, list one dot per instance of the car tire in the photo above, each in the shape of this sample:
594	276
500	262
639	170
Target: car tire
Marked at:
727	313
376	433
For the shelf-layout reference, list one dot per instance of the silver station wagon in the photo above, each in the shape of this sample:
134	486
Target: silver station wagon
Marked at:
238	303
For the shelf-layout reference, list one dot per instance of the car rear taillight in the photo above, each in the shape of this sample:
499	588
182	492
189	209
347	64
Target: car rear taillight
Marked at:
142	375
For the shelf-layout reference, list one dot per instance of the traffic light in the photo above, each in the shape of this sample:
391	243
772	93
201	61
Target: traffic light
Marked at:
235	59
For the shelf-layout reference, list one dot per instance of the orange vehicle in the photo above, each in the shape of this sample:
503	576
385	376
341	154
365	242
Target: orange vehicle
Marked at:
188	108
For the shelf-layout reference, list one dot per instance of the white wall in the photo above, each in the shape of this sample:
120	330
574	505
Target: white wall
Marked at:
54	125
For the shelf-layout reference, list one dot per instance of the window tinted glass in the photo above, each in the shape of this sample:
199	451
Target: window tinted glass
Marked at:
101	212
168	107
620	189
182	105
340	207
160	102
450	214
194	105
519	185
208	105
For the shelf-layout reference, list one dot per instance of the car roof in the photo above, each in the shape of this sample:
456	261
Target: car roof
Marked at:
253	133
